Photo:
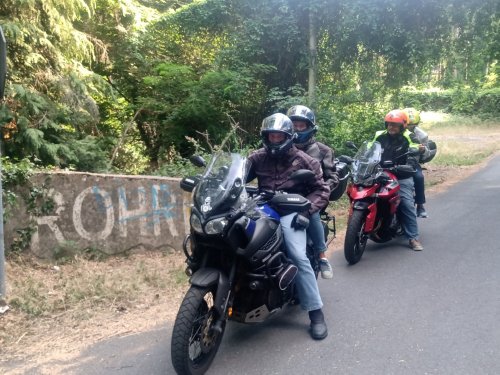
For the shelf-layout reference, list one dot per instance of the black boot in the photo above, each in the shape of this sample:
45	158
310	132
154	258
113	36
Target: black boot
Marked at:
318	326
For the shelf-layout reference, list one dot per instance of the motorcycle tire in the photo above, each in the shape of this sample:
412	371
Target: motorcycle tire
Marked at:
194	343
355	240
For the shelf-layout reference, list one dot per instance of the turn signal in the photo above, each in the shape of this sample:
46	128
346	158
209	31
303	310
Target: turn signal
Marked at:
230	312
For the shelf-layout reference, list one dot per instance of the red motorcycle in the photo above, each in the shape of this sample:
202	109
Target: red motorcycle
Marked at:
374	196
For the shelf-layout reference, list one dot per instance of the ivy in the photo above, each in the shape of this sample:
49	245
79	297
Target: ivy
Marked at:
16	177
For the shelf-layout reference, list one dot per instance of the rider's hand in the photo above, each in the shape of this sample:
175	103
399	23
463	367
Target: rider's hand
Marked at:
300	222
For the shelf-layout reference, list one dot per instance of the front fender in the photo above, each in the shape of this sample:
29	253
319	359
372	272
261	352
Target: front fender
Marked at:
371	213
206	277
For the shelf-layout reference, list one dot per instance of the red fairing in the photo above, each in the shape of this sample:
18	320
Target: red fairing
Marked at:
355	194
370	218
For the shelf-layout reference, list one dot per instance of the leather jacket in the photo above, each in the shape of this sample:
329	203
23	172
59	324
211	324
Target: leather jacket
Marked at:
325	156
273	172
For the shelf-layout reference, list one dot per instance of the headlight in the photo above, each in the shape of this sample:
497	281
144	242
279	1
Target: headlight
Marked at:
196	223
215	226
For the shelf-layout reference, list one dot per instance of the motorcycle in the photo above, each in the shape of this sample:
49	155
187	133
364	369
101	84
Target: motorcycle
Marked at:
374	198
235	257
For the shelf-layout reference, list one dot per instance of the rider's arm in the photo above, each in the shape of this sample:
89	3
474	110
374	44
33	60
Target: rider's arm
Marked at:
319	191
330	174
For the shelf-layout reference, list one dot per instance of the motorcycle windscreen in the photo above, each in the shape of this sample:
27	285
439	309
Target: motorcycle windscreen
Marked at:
221	185
366	161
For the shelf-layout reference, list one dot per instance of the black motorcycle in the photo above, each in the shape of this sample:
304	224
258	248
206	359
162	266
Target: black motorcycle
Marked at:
236	258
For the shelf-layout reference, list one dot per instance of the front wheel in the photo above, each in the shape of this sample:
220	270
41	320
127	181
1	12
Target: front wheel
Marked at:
194	341
355	239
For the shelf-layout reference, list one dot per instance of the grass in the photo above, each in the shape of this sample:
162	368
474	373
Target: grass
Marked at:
80	288
461	141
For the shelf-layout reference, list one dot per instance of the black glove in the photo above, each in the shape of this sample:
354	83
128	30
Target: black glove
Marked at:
300	222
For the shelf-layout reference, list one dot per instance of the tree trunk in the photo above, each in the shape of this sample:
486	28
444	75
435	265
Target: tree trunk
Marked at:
313	55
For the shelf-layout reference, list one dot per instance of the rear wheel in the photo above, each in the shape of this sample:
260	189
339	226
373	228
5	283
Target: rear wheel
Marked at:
355	239
194	341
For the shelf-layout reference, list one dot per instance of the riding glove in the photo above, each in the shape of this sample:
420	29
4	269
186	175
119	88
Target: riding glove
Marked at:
300	222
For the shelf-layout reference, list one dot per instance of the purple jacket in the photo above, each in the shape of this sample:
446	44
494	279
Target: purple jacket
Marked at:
272	174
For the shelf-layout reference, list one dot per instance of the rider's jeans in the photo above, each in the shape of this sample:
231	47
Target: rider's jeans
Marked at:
418	180
406	209
316	233
307	286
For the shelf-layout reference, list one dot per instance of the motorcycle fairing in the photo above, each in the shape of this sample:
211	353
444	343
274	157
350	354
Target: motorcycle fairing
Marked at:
355	194
370	218
266	236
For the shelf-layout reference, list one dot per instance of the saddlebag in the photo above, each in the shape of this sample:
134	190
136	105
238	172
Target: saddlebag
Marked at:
339	190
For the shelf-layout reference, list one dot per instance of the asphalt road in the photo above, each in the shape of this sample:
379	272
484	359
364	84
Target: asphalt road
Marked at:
395	312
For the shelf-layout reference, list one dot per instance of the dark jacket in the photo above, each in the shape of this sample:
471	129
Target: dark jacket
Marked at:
396	146
272	174
326	157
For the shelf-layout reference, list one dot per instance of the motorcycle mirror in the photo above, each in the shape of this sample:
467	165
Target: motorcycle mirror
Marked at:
351	145
302	175
189	183
198	161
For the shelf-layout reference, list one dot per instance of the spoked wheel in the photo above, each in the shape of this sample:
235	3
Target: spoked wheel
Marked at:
355	239
194	341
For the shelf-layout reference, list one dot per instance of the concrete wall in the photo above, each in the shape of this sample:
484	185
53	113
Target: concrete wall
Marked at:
110	212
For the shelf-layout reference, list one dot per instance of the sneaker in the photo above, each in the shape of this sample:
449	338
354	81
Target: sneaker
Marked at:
325	268
421	211
415	245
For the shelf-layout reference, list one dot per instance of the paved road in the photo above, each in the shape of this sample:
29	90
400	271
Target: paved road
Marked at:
395	312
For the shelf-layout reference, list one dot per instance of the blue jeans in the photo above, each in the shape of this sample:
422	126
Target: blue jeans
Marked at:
406	209
418	180
316	233
307	286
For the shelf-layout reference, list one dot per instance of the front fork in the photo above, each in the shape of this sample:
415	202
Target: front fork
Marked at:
206	277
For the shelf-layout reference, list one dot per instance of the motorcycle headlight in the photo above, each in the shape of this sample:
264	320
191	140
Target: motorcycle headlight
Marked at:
215	226
196	223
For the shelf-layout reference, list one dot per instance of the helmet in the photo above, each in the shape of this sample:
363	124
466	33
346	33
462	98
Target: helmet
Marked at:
303	113
397	116
277	123
413	116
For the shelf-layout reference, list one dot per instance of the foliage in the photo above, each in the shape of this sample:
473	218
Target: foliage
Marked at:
14	174
82	71
16	181
462	100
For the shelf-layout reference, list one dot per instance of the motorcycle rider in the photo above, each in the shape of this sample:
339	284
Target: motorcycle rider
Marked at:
396	140
272	165
305	127
418	178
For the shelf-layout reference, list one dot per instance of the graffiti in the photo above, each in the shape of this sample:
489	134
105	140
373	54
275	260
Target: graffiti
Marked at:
97	214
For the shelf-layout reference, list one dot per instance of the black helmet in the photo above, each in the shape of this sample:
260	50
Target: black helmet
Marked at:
277	123
303	113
